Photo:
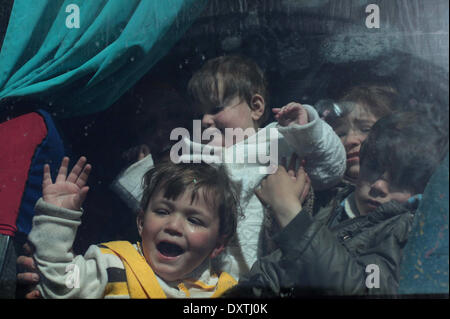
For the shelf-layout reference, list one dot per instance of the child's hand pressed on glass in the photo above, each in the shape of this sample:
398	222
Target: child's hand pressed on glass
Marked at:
284	192
68	191
292	113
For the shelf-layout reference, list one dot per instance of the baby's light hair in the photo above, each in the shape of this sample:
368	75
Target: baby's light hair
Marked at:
239	77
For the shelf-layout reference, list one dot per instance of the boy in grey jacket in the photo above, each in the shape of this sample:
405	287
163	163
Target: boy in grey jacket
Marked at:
353	246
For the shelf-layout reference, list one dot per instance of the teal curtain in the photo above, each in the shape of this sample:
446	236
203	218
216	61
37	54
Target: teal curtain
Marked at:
79	71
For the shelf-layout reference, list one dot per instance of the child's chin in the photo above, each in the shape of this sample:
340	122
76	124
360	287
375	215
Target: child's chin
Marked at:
167	274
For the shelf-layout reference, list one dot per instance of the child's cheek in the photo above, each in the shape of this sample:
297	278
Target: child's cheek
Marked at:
221	121
401	197
150	229
201	239
361	194
227	119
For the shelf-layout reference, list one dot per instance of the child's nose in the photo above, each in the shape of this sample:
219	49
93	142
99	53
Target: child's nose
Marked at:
353	139
379	188
174	225
207	121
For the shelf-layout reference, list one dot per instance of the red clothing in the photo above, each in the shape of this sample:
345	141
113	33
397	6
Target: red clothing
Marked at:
19	139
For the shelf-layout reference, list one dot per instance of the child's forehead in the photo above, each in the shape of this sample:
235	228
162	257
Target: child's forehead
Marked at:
362	112
191	198
215	106
358	115
217	93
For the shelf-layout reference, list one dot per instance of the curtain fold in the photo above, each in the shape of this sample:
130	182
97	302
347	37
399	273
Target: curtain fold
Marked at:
82	71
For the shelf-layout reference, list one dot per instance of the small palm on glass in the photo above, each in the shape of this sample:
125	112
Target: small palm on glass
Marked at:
68	191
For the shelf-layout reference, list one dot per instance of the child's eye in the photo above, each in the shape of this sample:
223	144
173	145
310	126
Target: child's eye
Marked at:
161	212
196	221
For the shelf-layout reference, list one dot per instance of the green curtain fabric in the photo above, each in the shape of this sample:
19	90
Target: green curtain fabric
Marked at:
79	71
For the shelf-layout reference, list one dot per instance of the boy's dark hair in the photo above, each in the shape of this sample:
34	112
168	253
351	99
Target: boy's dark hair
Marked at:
240	77
217	189
407	146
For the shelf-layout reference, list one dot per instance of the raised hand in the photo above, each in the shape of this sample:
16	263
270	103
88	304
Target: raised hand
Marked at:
292	113
67	191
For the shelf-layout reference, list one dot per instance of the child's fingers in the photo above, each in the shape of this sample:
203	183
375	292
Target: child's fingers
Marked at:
26	264
83	177
276	110
28	249
27	278
47	178
82	194
301	177
259	193
35	294
291	173
292	162
62	173
306	189
73	176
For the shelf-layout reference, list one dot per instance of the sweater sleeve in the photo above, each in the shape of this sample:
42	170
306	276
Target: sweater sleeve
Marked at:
322	149
319	261
64	275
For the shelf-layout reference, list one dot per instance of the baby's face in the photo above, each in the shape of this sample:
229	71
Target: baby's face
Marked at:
369	194
178	235
236	113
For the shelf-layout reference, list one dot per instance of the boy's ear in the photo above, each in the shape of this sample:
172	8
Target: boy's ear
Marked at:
257	105
221	243
140	221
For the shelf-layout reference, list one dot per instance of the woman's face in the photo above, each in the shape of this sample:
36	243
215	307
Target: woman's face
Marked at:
353	130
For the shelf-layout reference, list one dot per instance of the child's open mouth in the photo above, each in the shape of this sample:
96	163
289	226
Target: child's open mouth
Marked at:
169	249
